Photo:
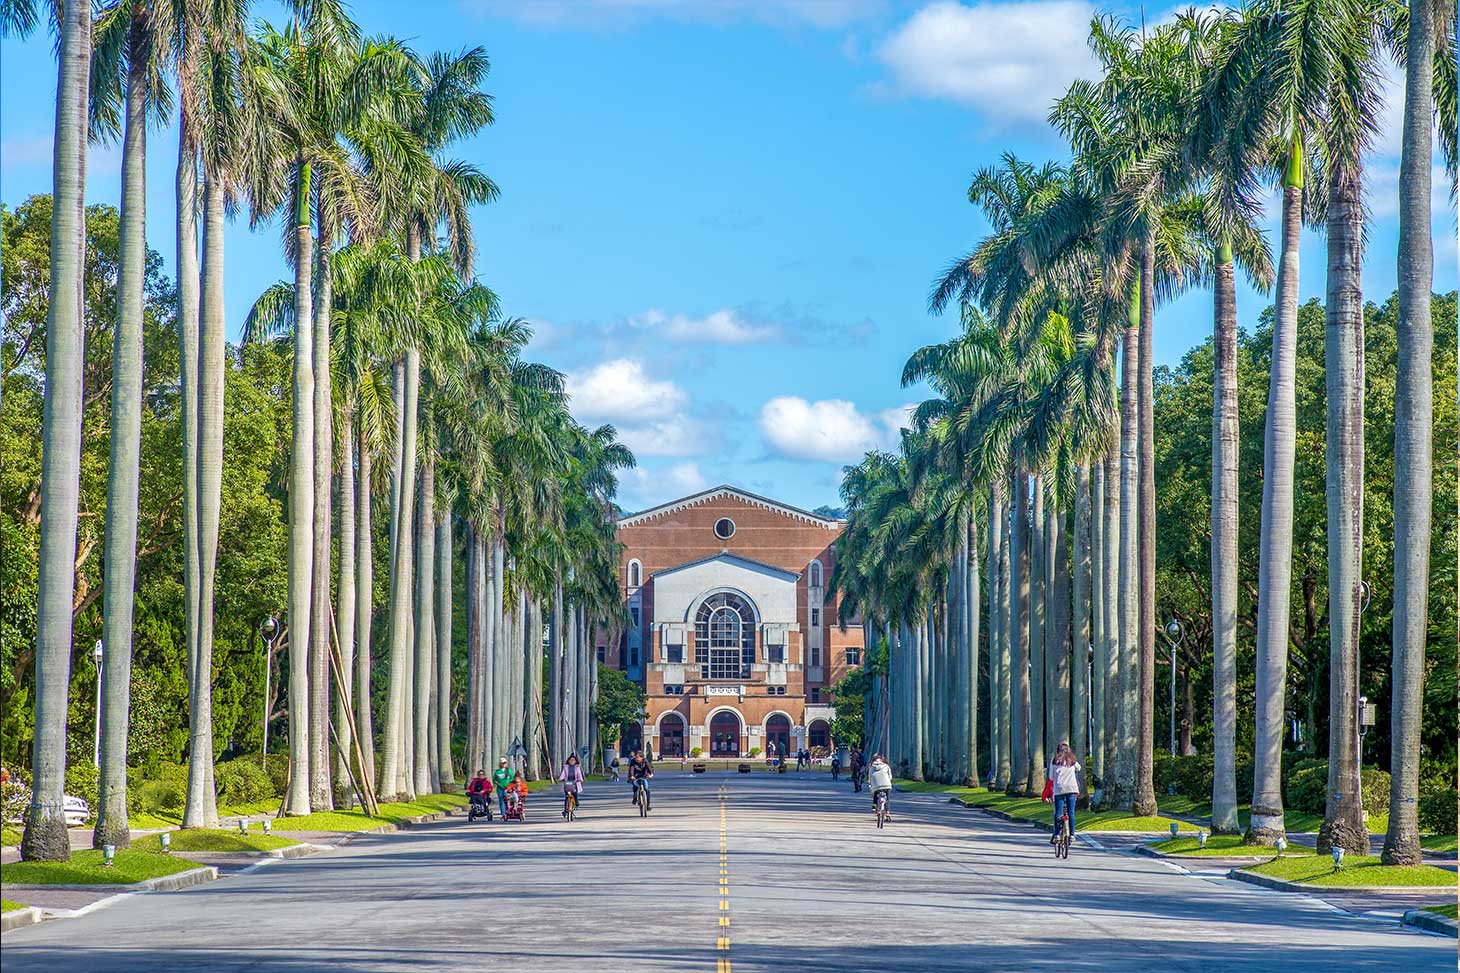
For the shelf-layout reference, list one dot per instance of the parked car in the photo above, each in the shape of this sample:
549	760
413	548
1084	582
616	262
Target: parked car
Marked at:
17	799
76	811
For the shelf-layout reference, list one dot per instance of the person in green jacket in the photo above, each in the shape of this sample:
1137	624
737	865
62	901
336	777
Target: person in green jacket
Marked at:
501	777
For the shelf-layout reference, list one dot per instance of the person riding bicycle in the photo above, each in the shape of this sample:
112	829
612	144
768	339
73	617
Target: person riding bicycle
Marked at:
881	781
640	771
1066	777
571	777
478	791
501	777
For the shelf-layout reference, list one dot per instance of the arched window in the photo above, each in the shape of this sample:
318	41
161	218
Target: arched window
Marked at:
636	573
813	574
725	636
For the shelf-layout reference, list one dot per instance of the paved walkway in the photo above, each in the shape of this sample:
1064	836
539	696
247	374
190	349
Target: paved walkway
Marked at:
809	884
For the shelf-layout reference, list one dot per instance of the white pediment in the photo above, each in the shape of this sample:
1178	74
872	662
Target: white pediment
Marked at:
678	591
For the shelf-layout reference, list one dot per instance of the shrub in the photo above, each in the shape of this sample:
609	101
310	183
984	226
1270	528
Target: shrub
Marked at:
160	787
1307	788
277	767
1374	790
696	752
242	781
1438	804
755	751
14	800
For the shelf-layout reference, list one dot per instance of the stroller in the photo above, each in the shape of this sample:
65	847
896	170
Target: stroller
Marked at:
516	807
481	807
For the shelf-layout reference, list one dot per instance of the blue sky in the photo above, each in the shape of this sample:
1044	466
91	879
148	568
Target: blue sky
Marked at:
723	216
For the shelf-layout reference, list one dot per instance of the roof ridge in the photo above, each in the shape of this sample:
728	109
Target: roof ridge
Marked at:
711	493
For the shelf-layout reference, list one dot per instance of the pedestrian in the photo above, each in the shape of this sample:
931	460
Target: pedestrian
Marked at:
1066	779
501	777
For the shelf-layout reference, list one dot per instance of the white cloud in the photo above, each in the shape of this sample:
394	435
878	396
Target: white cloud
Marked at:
675	436
831	430
643	487
621	389
1009	61
894	421
788	13
723	327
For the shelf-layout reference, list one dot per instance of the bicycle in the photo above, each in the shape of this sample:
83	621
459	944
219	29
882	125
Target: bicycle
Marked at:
881	808
641	797
570	805
1062	838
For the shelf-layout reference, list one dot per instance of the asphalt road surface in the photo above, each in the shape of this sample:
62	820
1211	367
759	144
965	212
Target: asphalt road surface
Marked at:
808	884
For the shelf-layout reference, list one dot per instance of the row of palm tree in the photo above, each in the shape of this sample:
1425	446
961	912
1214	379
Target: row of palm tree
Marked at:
1038	460
407	383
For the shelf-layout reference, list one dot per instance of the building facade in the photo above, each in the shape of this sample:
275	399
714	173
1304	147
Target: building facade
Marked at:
731	632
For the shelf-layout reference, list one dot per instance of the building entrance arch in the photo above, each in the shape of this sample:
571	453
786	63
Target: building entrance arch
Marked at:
778	734
725	729
671	736
818	735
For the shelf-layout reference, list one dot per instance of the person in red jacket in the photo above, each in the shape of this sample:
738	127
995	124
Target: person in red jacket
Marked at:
479	790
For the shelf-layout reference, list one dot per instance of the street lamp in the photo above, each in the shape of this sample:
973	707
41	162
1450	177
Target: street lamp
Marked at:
1363	710
97	654
1174	634
268	631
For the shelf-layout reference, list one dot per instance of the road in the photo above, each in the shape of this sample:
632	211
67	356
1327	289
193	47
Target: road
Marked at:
810	885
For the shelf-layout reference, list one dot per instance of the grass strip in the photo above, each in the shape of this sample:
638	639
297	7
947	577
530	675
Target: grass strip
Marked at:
357	820
9	837
1358	870
1033	809
1444	911
7	906
1224	846
86	868
1437	842
215	839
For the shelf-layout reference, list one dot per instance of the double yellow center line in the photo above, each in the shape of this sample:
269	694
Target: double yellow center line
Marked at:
722	943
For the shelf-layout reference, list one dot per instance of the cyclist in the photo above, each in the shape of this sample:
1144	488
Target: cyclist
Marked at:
571	778
501	777
640	772
1066	775
881	782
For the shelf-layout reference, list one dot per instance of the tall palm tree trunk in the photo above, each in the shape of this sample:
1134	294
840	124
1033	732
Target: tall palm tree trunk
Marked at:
1275	558
1343	356
1100	661
364	603
1145	793
425	629
1038	604
301	502
501	663
445	551
1225	445
996	616
476	747
321	790
1019	646
1079	650
490	670
555	681
393	782
45	837
1413	434
1008	618
1059	645
916	715
534	691
971	602
345	599
587	662
519	668
1111	580
201	807
119	573
1128	610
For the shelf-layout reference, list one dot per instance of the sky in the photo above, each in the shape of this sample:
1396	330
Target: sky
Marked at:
723	217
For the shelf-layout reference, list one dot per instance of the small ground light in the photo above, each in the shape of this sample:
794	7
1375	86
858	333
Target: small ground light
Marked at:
108	854
1282	845
243	824
1337	857
1174	827
1201	839
166	840
268	825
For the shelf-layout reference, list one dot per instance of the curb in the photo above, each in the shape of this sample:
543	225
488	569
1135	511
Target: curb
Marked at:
1430	922
30	915
1280	885
301	850
166	883
1150	852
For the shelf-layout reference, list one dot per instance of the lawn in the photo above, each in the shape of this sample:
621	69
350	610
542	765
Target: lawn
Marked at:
85	868
358	820
1292	820
215	839
146	821
1358	870
1223	846
9	837
1033	809
1438	842
1448	911
7	906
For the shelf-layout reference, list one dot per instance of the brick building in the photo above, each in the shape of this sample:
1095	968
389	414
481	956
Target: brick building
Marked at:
731	634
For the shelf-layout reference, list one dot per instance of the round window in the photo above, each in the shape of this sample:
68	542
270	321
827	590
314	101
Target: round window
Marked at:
724	528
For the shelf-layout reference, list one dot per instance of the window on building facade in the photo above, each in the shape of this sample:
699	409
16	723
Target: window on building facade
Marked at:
813	574
633	655
816	655
602	654
634	615
775	690
854	657
724	528
674	654
815	617
675	690
814	694
725	629
636	573
775	653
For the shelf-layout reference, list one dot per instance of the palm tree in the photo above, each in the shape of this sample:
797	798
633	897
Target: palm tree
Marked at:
129	43
45	837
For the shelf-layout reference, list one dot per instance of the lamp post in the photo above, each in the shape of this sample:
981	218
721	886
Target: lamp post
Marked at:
268	631
1363	710
1174	634
100	666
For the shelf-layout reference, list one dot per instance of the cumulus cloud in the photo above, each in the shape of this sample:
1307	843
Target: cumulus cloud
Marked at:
644	487
831	430
821	14
621	389
675	436
1009	61
723	327
893	421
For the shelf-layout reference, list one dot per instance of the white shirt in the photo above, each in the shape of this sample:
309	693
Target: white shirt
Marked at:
1066	779
881	775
